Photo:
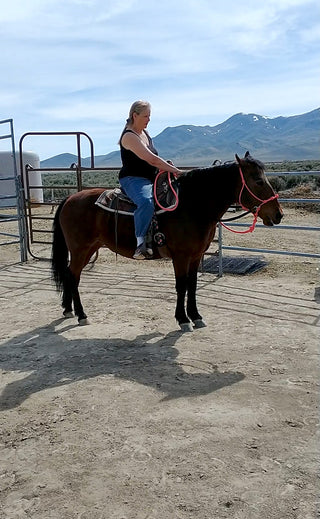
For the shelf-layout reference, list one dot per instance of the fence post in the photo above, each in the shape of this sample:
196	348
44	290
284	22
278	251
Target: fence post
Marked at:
220	272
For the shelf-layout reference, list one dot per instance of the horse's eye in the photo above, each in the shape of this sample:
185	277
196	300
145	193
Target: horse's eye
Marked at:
259	182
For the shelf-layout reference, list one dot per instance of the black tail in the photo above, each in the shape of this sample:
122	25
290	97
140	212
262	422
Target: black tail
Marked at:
59	255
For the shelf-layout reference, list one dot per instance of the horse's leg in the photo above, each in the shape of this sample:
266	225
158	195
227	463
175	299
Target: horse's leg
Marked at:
77	263
78	308
181	273
67	294
192	309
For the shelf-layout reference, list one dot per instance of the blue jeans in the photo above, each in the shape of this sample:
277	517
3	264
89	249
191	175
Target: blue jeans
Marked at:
140	190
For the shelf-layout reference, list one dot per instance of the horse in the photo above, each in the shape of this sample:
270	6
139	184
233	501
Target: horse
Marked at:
80	228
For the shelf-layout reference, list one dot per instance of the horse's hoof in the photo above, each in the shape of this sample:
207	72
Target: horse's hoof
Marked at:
199	323
83	322
68	315
186	327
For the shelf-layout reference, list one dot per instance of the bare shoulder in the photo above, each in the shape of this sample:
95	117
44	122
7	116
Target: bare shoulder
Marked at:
129	138
131	141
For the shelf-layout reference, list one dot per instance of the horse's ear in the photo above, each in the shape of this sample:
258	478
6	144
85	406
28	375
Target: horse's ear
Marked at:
238	159
247	154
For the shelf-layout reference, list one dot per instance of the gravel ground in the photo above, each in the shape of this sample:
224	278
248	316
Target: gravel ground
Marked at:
127	418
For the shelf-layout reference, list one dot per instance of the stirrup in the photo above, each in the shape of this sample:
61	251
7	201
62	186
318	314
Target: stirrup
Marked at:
159	239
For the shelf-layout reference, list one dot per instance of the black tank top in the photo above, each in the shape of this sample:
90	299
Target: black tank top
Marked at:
132	165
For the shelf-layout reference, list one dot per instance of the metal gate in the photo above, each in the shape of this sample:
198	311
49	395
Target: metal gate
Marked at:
16	212
32	215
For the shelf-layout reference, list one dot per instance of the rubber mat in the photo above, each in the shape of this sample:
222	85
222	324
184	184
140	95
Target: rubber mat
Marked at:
234	264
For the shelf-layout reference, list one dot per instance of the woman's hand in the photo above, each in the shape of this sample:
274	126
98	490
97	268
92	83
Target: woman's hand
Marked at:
176	173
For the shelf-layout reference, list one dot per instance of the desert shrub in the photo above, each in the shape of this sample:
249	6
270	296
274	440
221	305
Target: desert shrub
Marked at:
103	178
278	183
305	190
290	181
316	180
293	181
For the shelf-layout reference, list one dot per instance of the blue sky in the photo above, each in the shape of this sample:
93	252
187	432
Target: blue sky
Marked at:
77	65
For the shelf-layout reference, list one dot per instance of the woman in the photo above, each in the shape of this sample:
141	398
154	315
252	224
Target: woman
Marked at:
140	163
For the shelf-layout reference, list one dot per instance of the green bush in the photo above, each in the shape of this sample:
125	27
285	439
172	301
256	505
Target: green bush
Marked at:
278	183
282	183
53	181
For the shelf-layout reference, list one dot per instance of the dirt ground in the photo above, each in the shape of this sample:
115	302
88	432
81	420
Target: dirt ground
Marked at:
128	418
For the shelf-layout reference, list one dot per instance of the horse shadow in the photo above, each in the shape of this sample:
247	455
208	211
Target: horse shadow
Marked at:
53	360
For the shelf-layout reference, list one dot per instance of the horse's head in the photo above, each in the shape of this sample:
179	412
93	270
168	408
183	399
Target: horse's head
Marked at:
256	193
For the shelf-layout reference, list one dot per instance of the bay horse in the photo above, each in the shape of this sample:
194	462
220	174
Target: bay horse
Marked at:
80	228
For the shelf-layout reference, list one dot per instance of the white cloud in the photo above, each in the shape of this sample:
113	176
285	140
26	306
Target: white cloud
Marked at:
16	11
78	64
310	35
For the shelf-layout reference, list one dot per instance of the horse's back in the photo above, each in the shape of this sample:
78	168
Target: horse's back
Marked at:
79	216
87	225
81	203
85	197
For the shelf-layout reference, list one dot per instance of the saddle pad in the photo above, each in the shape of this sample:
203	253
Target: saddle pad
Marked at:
115	200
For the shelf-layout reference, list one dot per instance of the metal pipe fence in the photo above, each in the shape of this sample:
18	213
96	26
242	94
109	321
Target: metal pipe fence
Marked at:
78	170
79	184
222	247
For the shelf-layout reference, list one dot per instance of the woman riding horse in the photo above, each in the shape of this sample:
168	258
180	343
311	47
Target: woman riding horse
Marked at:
81	227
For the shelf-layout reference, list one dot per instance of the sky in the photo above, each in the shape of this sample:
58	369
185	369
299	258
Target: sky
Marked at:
78	65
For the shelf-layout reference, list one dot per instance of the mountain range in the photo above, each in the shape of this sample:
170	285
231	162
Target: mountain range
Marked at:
268	139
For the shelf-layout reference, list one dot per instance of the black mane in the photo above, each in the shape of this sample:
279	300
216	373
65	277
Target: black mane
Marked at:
227	166
257	162
208	170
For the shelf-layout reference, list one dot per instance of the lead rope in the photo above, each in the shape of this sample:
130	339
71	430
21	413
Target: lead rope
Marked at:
251	228
171	208
244	185
255	215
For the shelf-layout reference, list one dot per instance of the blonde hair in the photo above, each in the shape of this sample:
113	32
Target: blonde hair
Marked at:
137	107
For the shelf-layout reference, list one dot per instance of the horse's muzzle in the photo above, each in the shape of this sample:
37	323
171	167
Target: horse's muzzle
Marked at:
274	219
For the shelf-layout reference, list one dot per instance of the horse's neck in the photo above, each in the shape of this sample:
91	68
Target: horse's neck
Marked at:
213	190
226	183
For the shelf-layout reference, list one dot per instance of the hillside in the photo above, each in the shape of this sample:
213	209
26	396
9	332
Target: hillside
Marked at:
269	139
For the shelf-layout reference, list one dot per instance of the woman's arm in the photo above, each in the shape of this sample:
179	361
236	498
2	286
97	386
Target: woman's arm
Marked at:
132	142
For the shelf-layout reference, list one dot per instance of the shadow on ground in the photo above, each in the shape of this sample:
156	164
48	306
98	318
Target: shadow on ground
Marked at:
53	360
